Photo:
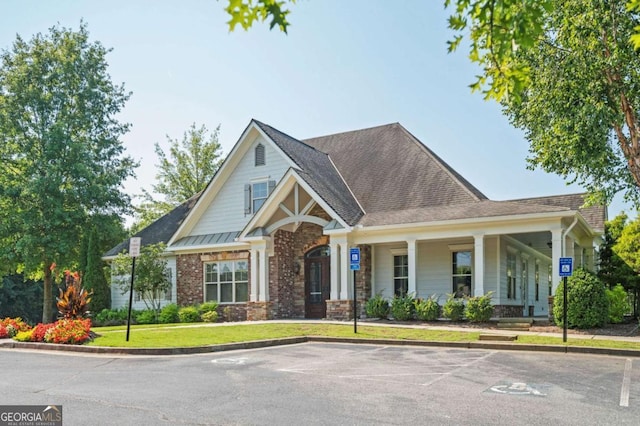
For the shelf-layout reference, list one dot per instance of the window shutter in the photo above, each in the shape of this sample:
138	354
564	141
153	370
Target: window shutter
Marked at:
272	185
247	199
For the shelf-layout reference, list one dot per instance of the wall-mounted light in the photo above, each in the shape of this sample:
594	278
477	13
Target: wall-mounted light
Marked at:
549	244
296	267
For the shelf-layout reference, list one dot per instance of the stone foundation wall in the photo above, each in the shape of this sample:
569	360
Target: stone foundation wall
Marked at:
233	312
507	311
259	311
340	310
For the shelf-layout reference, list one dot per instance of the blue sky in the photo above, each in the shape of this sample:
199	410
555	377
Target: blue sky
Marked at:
344	65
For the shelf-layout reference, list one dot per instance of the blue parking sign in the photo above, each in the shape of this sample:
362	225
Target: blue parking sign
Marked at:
354	259
566	266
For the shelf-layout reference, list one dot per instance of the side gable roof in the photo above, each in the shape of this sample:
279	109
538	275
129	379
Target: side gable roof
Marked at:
317	170
595	216
161	230
388	169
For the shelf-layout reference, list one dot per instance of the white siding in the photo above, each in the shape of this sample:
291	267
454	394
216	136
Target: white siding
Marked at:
433	270
119	300
226	211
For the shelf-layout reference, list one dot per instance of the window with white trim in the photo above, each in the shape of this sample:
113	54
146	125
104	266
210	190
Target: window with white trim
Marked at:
511	275
259	193
226	281
461	273
256	193
400	274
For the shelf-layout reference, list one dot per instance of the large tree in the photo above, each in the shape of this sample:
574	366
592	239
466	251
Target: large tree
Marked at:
61	156
183	172
627	247
568	75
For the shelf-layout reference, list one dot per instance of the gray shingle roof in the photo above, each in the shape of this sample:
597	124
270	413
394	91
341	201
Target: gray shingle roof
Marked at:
595	216
469	210
319	172
161	230
388	169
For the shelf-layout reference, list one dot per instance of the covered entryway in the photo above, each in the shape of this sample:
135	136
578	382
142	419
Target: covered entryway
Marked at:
317	281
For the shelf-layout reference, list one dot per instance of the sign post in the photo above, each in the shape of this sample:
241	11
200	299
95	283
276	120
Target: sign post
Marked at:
566	270
134	251
354	263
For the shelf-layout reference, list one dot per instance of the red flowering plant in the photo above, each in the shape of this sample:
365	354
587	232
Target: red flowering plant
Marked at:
74	300
40	330
3	332
13	326
69	331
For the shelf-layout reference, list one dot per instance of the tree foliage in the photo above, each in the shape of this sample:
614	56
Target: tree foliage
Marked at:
246	12
566	72
613	269
60	149
183	172
152	276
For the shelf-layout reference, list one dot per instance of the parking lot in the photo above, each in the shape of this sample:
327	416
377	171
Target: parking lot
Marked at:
321	383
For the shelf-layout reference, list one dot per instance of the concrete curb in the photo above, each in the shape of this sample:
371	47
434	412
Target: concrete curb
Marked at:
255	344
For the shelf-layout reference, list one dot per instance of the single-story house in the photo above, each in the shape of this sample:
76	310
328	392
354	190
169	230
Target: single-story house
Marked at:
270	235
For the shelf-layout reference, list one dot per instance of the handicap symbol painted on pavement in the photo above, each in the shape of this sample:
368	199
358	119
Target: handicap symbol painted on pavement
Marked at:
517	388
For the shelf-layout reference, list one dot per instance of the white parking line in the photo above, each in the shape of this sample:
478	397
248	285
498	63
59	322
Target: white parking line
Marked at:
626	382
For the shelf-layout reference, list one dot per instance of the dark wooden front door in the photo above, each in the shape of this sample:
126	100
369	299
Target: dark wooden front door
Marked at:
317	282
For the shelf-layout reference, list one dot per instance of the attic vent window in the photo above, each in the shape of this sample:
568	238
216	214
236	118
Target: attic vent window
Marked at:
259	155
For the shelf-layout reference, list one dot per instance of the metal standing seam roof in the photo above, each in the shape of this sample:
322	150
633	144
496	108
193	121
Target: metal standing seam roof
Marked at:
208	239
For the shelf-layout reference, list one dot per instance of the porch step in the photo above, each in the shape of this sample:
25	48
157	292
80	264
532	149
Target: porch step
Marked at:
498	337
515	323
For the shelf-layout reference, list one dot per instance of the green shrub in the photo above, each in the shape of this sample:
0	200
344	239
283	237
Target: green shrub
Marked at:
587	304
189	314
169	314
208	307
377	307
618	304
453	308
427	309
479	308
209	316
114	316
148	316
402	307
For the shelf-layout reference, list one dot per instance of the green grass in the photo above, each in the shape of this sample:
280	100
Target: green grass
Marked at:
177	335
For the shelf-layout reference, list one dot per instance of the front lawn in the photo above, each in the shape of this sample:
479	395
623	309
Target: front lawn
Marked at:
147	336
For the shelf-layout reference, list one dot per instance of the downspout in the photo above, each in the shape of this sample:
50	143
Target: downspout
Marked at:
564	236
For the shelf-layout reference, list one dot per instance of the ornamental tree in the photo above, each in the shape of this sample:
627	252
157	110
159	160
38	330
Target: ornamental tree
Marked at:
61	156
566	72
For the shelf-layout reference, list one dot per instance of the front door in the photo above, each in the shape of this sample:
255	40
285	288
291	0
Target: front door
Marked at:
317	282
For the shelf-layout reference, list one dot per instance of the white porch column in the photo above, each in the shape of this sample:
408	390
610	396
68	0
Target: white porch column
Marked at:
335	284
478	265
411	264
263	273
344	270
254	275
556	254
